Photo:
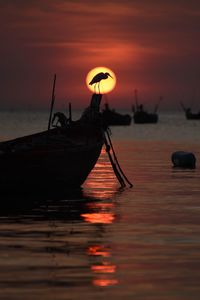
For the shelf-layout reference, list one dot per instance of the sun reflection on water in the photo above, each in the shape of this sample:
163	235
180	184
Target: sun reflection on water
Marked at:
99	213
105	282
103	218
97	250
101	186
103	270
101	183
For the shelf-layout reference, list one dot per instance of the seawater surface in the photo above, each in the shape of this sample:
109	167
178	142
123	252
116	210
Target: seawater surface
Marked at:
140	243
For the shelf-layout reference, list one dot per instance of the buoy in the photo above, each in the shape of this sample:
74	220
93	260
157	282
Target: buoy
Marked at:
183	159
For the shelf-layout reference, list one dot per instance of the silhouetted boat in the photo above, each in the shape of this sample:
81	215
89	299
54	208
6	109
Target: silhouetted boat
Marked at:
62	156
192	116
141	116
188	113
113	118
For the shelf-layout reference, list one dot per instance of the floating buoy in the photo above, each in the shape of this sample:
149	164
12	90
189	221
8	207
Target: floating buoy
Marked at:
183	159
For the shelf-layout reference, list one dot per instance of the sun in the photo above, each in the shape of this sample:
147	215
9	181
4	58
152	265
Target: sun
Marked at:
105	85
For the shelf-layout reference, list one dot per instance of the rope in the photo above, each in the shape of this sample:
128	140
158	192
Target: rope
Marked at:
119	173
115	157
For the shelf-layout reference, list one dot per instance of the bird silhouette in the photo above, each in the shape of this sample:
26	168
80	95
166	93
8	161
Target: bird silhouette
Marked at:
97	79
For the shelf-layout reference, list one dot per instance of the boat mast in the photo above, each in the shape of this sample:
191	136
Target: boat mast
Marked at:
183	106
52	101
158	104
136	98
70	112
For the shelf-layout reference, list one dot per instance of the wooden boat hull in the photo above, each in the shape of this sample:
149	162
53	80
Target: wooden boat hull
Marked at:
60	157
47	169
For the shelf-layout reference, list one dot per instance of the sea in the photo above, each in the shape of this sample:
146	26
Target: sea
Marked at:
105	241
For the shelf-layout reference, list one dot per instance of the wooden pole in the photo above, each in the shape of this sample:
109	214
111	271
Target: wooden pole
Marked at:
52	102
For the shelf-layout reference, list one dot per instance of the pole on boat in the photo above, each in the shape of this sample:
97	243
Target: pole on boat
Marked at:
52	101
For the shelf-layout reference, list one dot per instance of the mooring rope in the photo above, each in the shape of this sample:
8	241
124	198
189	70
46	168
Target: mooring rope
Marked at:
119	173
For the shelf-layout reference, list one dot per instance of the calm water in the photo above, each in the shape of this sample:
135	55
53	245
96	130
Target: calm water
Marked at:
141	243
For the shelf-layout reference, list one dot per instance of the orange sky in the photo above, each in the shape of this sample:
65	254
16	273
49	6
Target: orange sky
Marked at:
151	45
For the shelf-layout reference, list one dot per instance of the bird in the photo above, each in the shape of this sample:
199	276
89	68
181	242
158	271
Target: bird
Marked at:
97	78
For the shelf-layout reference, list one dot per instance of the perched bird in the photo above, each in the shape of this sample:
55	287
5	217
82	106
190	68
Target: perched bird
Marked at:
97	78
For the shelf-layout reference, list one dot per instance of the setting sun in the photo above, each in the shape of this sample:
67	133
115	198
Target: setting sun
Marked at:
105	82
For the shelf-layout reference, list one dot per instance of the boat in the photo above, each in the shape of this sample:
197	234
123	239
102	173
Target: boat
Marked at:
141	116
60	157
112	118
192	116
189	114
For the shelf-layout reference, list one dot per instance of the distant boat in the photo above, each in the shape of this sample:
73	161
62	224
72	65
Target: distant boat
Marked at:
188	113
141	116
62	156
113	118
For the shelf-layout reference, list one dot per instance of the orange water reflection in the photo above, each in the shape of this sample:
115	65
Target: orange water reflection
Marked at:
102	268
105	282
103	218
99	213
97	250
104	272
101	183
